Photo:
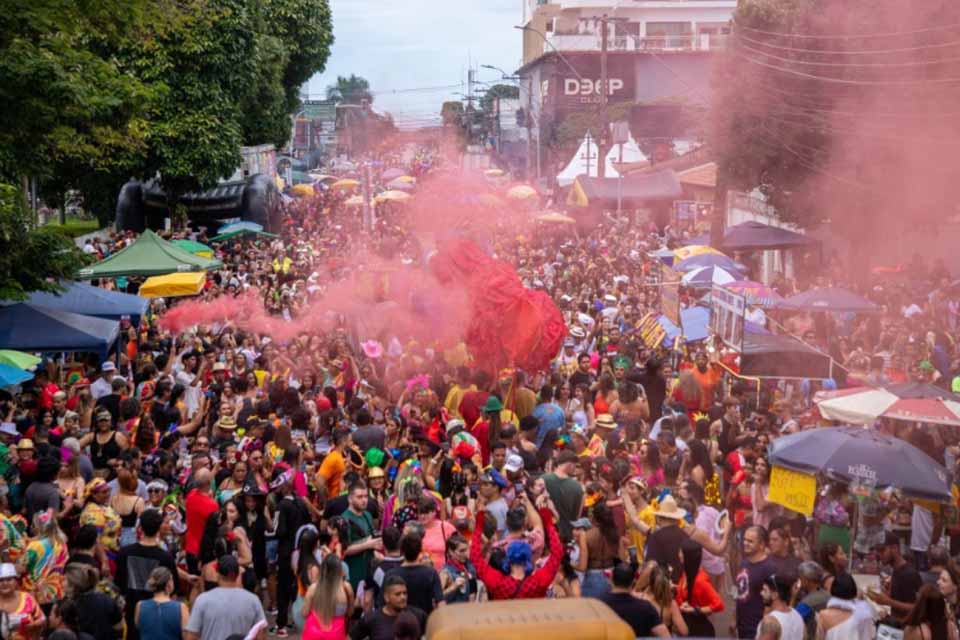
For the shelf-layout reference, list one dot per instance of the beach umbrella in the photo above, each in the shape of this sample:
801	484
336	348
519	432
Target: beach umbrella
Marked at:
392	174
911	401
252	227
393	196
859	454
709	276
828	299
683	253
345	184
490	200
664	255
756	293
354	201
18	359
554	217
707	260
407	179
302	191
196	248
521	192
10	376
397	185
493	173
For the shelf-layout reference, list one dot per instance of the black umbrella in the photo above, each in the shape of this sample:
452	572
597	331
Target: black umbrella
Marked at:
856	453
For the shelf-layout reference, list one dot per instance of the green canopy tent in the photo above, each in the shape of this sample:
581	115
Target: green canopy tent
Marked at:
194	247
150	255
240	232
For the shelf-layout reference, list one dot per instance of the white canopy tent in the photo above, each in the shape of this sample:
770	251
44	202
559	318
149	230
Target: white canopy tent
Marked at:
584	161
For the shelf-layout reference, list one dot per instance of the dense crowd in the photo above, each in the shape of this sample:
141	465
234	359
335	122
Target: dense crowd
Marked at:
215	483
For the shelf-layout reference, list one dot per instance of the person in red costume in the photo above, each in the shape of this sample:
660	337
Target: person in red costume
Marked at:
522	581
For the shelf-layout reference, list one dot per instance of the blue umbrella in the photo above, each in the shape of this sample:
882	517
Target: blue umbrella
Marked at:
856	453
664	255
10	376
828	299
708	260
240	226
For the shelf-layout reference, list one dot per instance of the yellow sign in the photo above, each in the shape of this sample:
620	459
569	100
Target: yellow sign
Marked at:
795	491
651	332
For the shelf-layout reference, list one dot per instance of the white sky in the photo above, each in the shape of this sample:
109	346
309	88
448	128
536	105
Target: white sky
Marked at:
414	44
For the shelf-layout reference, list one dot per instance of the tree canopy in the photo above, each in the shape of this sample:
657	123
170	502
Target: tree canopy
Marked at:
97	93
350	90
837	109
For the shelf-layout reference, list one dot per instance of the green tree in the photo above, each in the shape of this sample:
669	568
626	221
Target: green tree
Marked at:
350	90
451	113
305	28
31	259
505	91
70	108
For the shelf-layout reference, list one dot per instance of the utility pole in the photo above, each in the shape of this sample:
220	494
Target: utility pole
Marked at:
602	138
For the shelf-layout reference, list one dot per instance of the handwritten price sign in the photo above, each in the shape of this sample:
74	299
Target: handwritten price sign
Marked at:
795	491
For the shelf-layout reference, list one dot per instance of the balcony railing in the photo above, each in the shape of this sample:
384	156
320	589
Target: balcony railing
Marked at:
686	42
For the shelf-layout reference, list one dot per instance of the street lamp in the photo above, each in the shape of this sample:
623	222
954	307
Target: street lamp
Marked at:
557	51
503	74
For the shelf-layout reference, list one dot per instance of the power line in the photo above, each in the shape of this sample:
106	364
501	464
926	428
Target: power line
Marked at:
850	36
805	101
867	83
915	63
851	52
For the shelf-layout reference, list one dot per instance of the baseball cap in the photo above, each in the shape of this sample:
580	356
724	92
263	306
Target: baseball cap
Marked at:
108	366
494	477
9	429
514	463
7	570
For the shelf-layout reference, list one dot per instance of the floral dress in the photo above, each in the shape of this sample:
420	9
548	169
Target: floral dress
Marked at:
41	568
107	522
27	609
12	541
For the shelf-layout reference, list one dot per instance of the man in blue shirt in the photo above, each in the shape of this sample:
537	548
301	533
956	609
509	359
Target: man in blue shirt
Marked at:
548	413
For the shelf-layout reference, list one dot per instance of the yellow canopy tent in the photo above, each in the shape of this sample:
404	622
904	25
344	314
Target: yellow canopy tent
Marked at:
393	196
302	191
174	285
521	192
345	183
555	217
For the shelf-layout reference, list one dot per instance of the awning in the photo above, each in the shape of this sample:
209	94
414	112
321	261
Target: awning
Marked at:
752	235
828	299
778	356
173	285
633	189
31	328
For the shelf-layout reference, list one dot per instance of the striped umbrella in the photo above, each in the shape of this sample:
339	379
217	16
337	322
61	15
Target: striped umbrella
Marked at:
756	293
709	276
683	253
911	401
18	359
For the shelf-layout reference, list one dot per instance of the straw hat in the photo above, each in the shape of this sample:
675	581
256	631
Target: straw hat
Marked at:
606	421
670	510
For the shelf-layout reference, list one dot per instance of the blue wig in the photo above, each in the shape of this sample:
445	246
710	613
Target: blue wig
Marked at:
518	552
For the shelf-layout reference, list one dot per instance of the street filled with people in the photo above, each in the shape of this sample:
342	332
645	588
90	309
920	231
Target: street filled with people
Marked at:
327	469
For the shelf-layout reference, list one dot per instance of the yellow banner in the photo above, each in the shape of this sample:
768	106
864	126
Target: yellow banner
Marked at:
795	491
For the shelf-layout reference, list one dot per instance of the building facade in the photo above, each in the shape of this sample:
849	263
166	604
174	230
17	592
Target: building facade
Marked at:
659	52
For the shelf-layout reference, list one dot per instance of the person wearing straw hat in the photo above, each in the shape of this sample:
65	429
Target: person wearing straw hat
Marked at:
664	543
604	426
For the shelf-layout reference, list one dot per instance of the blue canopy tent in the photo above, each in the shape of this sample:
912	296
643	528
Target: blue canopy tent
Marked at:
93	301
28	327
756	236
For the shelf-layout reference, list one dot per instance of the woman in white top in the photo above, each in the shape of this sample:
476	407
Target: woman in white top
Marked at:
845	617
